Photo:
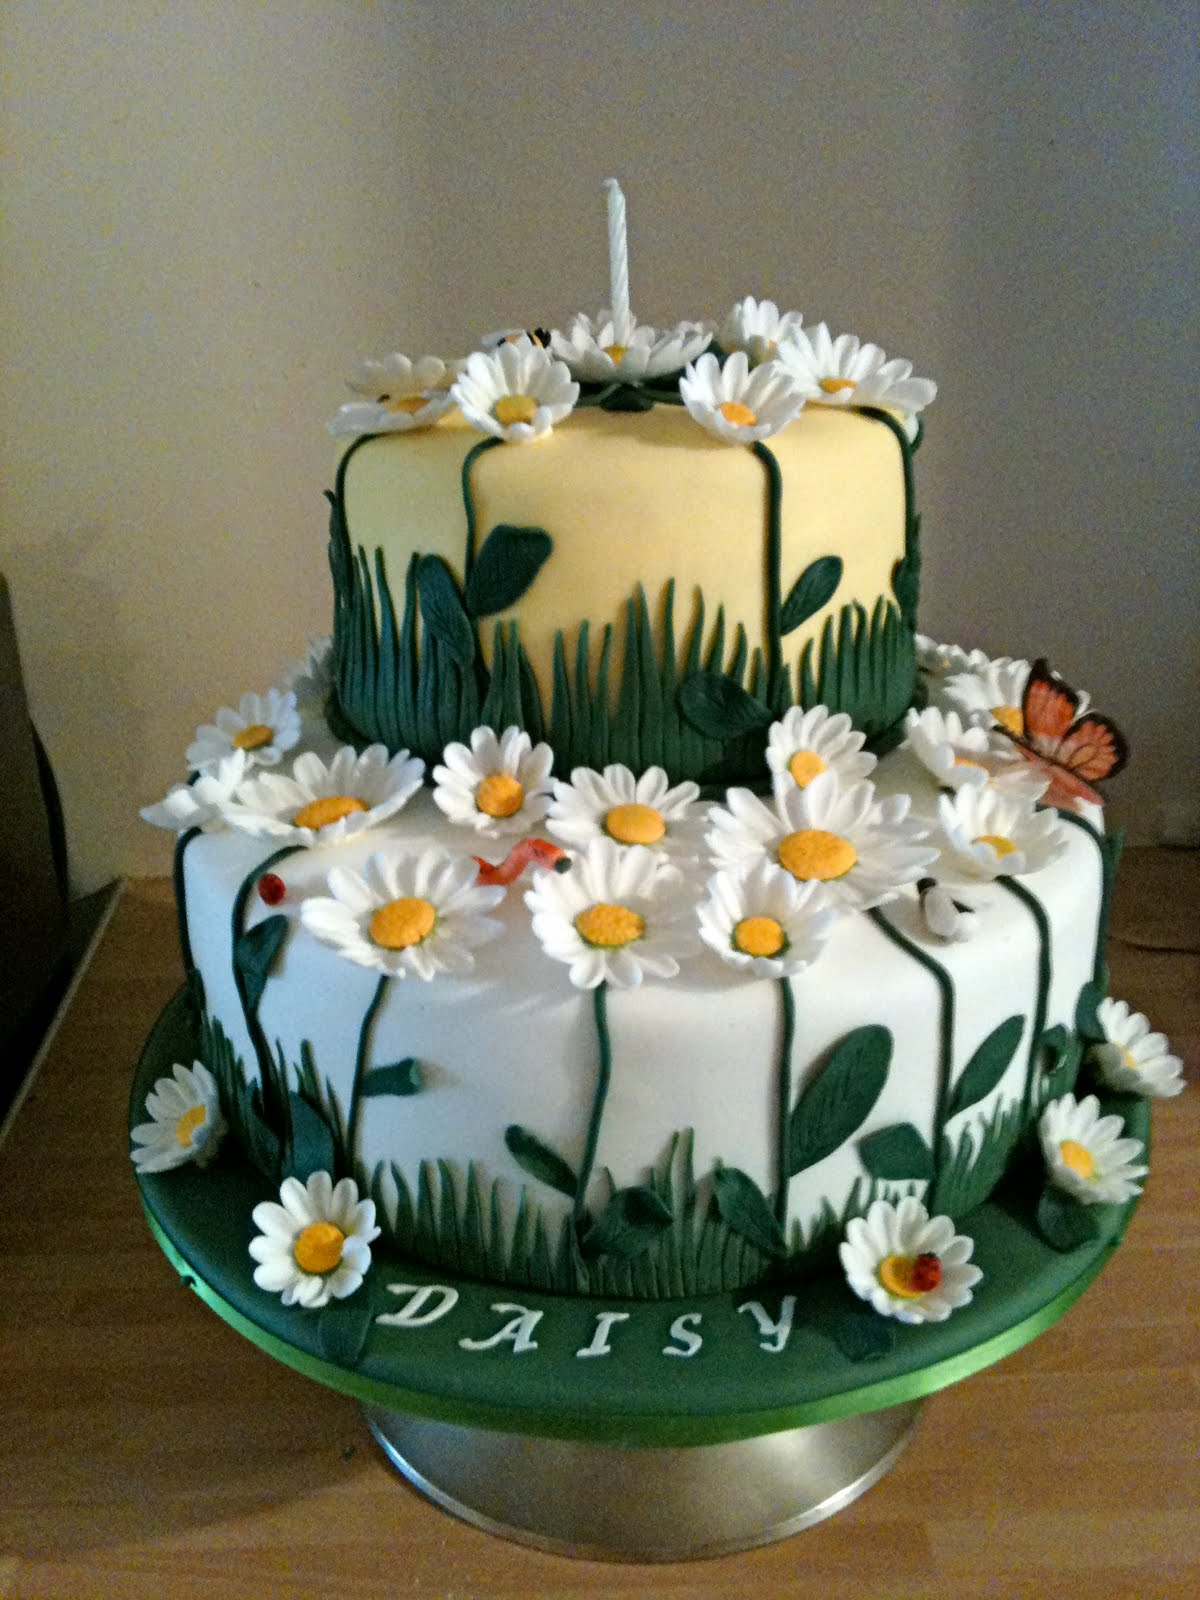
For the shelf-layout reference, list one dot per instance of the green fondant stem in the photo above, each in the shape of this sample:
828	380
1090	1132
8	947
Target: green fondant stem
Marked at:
788	1001
946	1029
258	1038
906	450
774	576
185	943
603	1077
469	461
1038	913
360	1070
1108	847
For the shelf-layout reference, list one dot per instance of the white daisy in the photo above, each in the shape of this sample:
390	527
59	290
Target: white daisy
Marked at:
613	804
763	922
1132	1058
200	804
311	678
618	915
609	349
844	372
990	692
860	847
737	405
516	392
757	326
958	755
987	833
945	917
315	1245
322	804
495	786
399	394
907	1264
408	916
940	659
185	1121
806	743
264	726
1085	1153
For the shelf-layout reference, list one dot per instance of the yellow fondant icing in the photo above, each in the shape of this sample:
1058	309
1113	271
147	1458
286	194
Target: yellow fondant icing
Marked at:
192	1118
319	1247
330	808
1010	719
634	824
1078	1157
402	923
1002	845
759	936
816	853
608	927
500	795
734	411
897	1274
804	766
631	498
253	737
512	408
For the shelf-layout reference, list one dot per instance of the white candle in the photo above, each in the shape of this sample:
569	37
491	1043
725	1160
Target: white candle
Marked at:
618	260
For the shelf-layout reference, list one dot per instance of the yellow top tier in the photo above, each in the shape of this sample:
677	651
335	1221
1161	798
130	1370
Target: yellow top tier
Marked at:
640	501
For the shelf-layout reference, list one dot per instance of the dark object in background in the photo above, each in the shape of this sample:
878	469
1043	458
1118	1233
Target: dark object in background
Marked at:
35	959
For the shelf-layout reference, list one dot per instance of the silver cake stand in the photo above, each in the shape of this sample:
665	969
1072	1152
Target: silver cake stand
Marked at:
606	1502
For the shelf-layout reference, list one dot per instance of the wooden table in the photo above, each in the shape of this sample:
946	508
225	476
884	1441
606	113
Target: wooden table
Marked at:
146	1450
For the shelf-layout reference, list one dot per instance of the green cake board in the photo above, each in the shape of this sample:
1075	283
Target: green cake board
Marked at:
733	1387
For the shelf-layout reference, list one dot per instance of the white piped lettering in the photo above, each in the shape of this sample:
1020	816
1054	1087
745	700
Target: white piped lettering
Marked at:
604	1321
518	1331
772	1335
684	1335
413	1313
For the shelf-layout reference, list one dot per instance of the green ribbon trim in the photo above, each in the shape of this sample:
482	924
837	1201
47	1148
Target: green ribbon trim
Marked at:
774	575
603	1079
788	1001
565	1422
946	1025
1038	913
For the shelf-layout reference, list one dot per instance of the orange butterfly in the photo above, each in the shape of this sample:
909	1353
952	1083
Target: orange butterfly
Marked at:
1073	752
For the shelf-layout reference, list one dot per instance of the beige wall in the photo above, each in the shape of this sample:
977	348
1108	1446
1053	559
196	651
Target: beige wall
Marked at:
213	210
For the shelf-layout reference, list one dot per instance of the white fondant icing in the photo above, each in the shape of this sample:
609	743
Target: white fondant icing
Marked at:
688	1339
604	1323
416	1311
774	1332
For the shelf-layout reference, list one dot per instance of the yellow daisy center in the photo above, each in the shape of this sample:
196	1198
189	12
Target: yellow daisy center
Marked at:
512	408
734	411
609	927
814	853
331	808
319	1247
1078	1158
965	761
759	936
615	352
837	385
192	1118
253	737
1000	843
402	923
635	824
409	404
500	795
1010	719
804	766
1127	1057
908	1277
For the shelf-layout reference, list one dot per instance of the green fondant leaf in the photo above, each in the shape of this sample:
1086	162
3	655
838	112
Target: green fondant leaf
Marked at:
262	1141
859	1335
987	1066
1061	1053
343	1328
837	1102
312	1145
814	588
627	397
906	586
509	561
896	1153
254	955
442	610
528	1151
1064	1223
630	1223
1087	1022
718	706
743	1206
402	1078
